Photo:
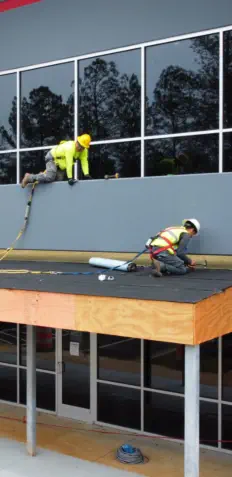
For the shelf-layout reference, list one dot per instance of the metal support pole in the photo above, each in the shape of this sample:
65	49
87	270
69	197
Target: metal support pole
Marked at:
31	390
192	403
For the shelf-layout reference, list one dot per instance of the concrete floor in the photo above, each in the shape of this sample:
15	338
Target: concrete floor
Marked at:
48	463
94	444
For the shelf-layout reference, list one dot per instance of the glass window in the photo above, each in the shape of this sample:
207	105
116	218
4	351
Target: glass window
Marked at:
227	368
119	359
8	108
164	366
107	159
227	426
227	60
109	95
45	347
45	390
209	369
185	155
119	406
47	105
209	423
164	414
32	162
227	155
182	86
8	343
76	369
8	383
8	169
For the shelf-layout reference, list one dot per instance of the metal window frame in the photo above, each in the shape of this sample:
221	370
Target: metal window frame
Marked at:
141	47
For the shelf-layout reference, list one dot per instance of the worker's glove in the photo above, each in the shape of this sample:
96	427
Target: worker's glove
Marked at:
72	181
88	177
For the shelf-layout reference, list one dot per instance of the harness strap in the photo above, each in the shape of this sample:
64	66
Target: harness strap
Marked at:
162	249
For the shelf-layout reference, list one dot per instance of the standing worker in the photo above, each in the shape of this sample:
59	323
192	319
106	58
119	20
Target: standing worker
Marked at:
60	159
167	249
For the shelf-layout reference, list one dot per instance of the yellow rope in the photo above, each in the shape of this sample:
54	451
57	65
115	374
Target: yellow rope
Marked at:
22	230
33	272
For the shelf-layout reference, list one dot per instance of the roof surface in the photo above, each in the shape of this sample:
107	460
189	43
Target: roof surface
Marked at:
190	288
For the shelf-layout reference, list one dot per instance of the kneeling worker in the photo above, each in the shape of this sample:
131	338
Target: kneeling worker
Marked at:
167	249
60	159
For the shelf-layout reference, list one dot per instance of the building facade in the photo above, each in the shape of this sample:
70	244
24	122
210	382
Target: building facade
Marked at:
157	102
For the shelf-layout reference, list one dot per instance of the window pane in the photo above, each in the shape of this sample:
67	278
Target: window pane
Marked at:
76	369
8	169
227	79
108	159
209	369
164	366
209	423
8	108
119	359
227	156
45	347
185	155
8	383
45	390
164	414
47	115
8	343
227	367
182	86
227	426
32	162
119	406
109	95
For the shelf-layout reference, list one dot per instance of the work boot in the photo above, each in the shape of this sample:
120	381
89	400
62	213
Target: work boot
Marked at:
25	180
156	269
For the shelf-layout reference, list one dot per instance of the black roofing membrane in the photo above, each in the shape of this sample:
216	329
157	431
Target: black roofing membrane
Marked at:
190	288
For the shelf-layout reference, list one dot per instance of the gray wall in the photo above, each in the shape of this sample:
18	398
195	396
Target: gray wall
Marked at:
56	29
119	215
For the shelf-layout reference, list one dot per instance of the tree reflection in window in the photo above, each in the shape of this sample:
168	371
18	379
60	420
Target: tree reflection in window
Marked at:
182	86
123	158
8	168
110	96
182	155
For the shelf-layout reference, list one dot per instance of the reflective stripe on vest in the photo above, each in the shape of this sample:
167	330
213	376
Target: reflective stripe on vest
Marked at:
171	236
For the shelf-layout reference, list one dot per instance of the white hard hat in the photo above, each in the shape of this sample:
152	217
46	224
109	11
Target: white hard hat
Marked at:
194	222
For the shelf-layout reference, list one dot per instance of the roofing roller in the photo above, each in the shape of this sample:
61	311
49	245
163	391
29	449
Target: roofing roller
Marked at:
112	264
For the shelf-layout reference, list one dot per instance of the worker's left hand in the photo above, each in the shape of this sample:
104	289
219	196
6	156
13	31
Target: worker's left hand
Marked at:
193	263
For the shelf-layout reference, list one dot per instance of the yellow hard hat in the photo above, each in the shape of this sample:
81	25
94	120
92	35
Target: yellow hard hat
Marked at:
84	140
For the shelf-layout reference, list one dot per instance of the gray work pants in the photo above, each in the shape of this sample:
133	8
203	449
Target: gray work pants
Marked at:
171	263
52	173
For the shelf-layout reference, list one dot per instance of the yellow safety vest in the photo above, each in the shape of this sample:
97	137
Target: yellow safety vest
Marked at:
168	236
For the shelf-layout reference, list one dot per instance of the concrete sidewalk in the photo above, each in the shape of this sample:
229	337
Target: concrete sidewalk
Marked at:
14	462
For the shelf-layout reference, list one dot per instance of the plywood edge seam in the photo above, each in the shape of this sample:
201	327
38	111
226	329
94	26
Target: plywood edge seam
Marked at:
127	317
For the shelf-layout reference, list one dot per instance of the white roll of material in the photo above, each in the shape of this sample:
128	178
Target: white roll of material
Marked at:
108	263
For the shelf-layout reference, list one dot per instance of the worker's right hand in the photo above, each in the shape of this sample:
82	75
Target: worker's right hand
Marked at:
72	181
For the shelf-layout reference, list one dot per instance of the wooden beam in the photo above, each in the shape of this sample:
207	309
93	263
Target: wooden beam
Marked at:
152	320
181	323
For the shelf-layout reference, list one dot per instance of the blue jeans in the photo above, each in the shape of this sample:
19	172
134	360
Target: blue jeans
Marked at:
171	263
